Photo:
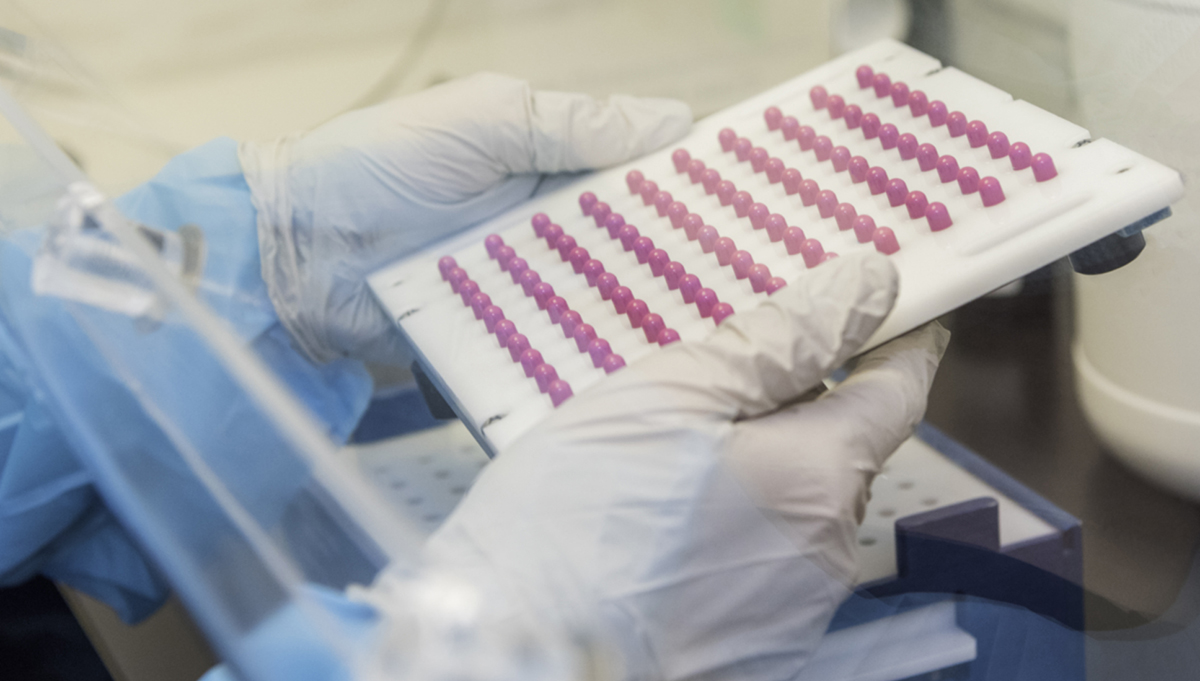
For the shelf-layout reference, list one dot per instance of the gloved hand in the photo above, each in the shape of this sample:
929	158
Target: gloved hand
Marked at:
698	509
372	185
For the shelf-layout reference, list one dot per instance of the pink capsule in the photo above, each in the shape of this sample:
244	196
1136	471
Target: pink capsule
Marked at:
491	315
899	94
642	247
647	191
517	267
836	106
566	244
663	201
774	284
555	307
896	191
977	133
695	170
793	239
791	181
819	97
479	302
591	270
637	310
504	256
598	349
667	336
927	157
606	283
551	234
505	328
877	179
680	158
827	202
990	191
938	216
758	274
544	374
864	228
689	285
559	391
578	257
492	243
907	146
676	212
775	226
844	213
633	180
853	116
692	224
918	103
652	325
530	359
445	265
741	203
569	322
774	169
864	74
956	124
823	147
947	168
871	126
1020	155
806	136
938	113
998	145
706	300
741	148
725	192
758	159
657	260
621	296
812	252
673	273
584	335
809	190
601	211
517	345
917	204
882	84
889	136
724	249
721	311
858	168
789	127
741	261
467	289
708	238
885	241
627	235
586	201
1043	168
456	276
542	292
840	158
528	280
968	180
613	223
727	137
612	363
773	116
758	215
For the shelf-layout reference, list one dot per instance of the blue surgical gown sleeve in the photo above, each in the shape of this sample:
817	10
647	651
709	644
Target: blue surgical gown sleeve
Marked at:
52	520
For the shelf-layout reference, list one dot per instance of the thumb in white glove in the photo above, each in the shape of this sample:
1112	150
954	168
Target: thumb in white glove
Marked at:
372	185
688	508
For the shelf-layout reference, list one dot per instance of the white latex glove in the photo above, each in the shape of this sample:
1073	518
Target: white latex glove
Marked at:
372	185
688	508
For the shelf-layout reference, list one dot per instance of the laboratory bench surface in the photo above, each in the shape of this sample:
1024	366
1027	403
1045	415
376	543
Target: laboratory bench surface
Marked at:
1005	389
